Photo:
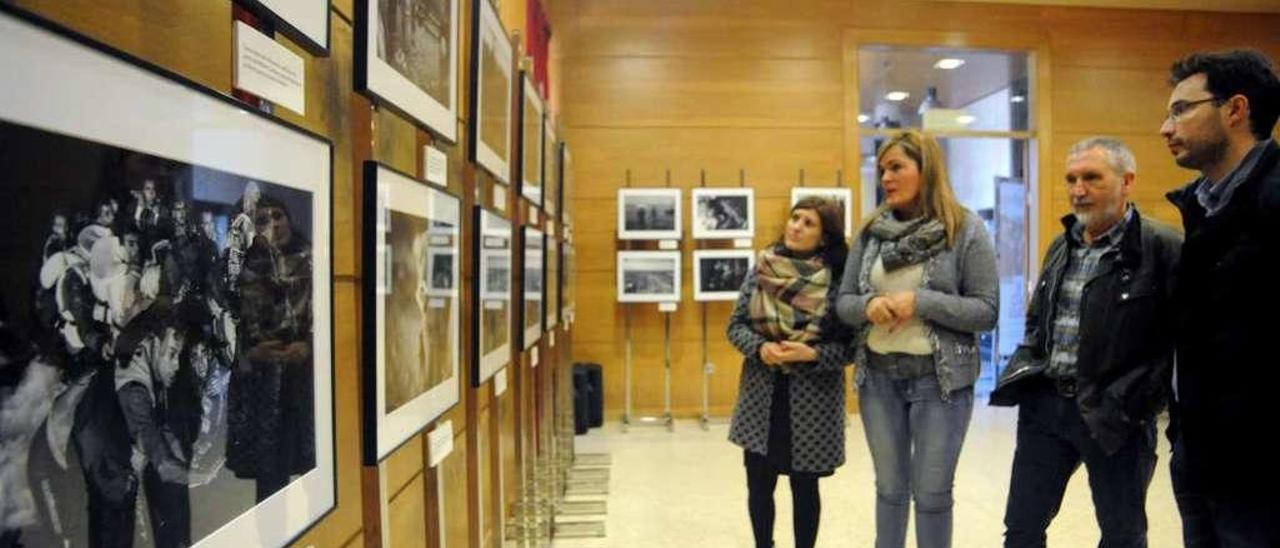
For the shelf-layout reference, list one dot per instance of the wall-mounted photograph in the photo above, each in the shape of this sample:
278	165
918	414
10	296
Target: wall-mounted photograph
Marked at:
166	369
725	213
718	273
413	315
306	21
649	214
407	59
843	197
534	262
552	306
648	276
492	301
531	172
491	92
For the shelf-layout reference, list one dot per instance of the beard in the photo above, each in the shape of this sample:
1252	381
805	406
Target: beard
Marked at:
1199	155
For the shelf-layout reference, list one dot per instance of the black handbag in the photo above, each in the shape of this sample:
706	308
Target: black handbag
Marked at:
1023	373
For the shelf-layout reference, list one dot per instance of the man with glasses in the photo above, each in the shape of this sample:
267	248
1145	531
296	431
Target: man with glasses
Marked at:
1222	111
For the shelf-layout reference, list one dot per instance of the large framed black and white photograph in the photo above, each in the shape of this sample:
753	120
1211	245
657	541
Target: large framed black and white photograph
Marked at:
305	21
492	87
649	214
492	299
412	314
843	197
531	171
166	370
648	276
407	59
718	273
723	213
534	262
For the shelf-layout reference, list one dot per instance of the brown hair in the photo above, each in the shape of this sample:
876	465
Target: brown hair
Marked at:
937	200
832	246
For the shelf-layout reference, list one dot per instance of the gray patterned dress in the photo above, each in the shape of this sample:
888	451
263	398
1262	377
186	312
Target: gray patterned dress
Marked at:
816	402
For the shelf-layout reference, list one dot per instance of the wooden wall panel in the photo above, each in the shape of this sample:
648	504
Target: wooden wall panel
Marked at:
659	86
456	510
189	37
407	528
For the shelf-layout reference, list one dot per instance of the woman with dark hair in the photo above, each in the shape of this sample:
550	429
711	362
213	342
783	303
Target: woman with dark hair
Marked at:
919	286
789	418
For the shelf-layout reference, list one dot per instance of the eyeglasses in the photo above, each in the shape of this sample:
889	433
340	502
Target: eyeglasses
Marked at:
1180	108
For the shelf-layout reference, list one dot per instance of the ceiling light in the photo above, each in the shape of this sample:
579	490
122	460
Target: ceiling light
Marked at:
897	95
965	119
1017	99
862	118
948	64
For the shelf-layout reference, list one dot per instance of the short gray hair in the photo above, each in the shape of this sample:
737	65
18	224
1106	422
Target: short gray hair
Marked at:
1118	154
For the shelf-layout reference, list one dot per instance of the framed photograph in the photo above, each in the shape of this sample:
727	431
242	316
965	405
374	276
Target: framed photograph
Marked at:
169	279
724	213
649	214
492	300
553	283
304	21
534	262
412	313
551	161
648	276
566	185
531	171
568	278
842	196
407	59
718	273
491	92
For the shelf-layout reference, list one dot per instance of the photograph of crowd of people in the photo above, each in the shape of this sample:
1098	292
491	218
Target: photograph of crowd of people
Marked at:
414	39
156	336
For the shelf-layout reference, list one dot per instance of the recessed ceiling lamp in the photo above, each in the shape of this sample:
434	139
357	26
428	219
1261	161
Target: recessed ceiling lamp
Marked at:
948	64
1018	99
897	95
965	119
862	118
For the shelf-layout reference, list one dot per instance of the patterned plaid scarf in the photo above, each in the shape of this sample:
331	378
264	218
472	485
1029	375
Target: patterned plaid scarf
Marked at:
790	298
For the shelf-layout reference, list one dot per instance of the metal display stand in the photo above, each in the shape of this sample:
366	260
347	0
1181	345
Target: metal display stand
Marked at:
666	418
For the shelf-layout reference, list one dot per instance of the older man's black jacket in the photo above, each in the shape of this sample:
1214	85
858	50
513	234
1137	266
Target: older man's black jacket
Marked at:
1228	325
1125	350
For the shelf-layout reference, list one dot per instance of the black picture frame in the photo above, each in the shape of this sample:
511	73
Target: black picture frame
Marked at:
209	146
286	21
484	112
532	139
393	414
389	86
494	244
533	243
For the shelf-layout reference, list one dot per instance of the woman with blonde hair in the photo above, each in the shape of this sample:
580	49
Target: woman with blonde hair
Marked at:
919	285
789	418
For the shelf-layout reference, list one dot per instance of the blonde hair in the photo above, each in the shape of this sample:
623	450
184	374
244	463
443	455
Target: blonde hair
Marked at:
936	199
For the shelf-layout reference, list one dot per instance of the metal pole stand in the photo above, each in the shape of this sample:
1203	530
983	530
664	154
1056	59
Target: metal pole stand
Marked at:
666	419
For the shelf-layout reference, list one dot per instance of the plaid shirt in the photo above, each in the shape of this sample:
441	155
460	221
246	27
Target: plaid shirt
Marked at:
1081	264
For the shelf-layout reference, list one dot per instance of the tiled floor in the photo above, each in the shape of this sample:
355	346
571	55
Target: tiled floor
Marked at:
686	488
